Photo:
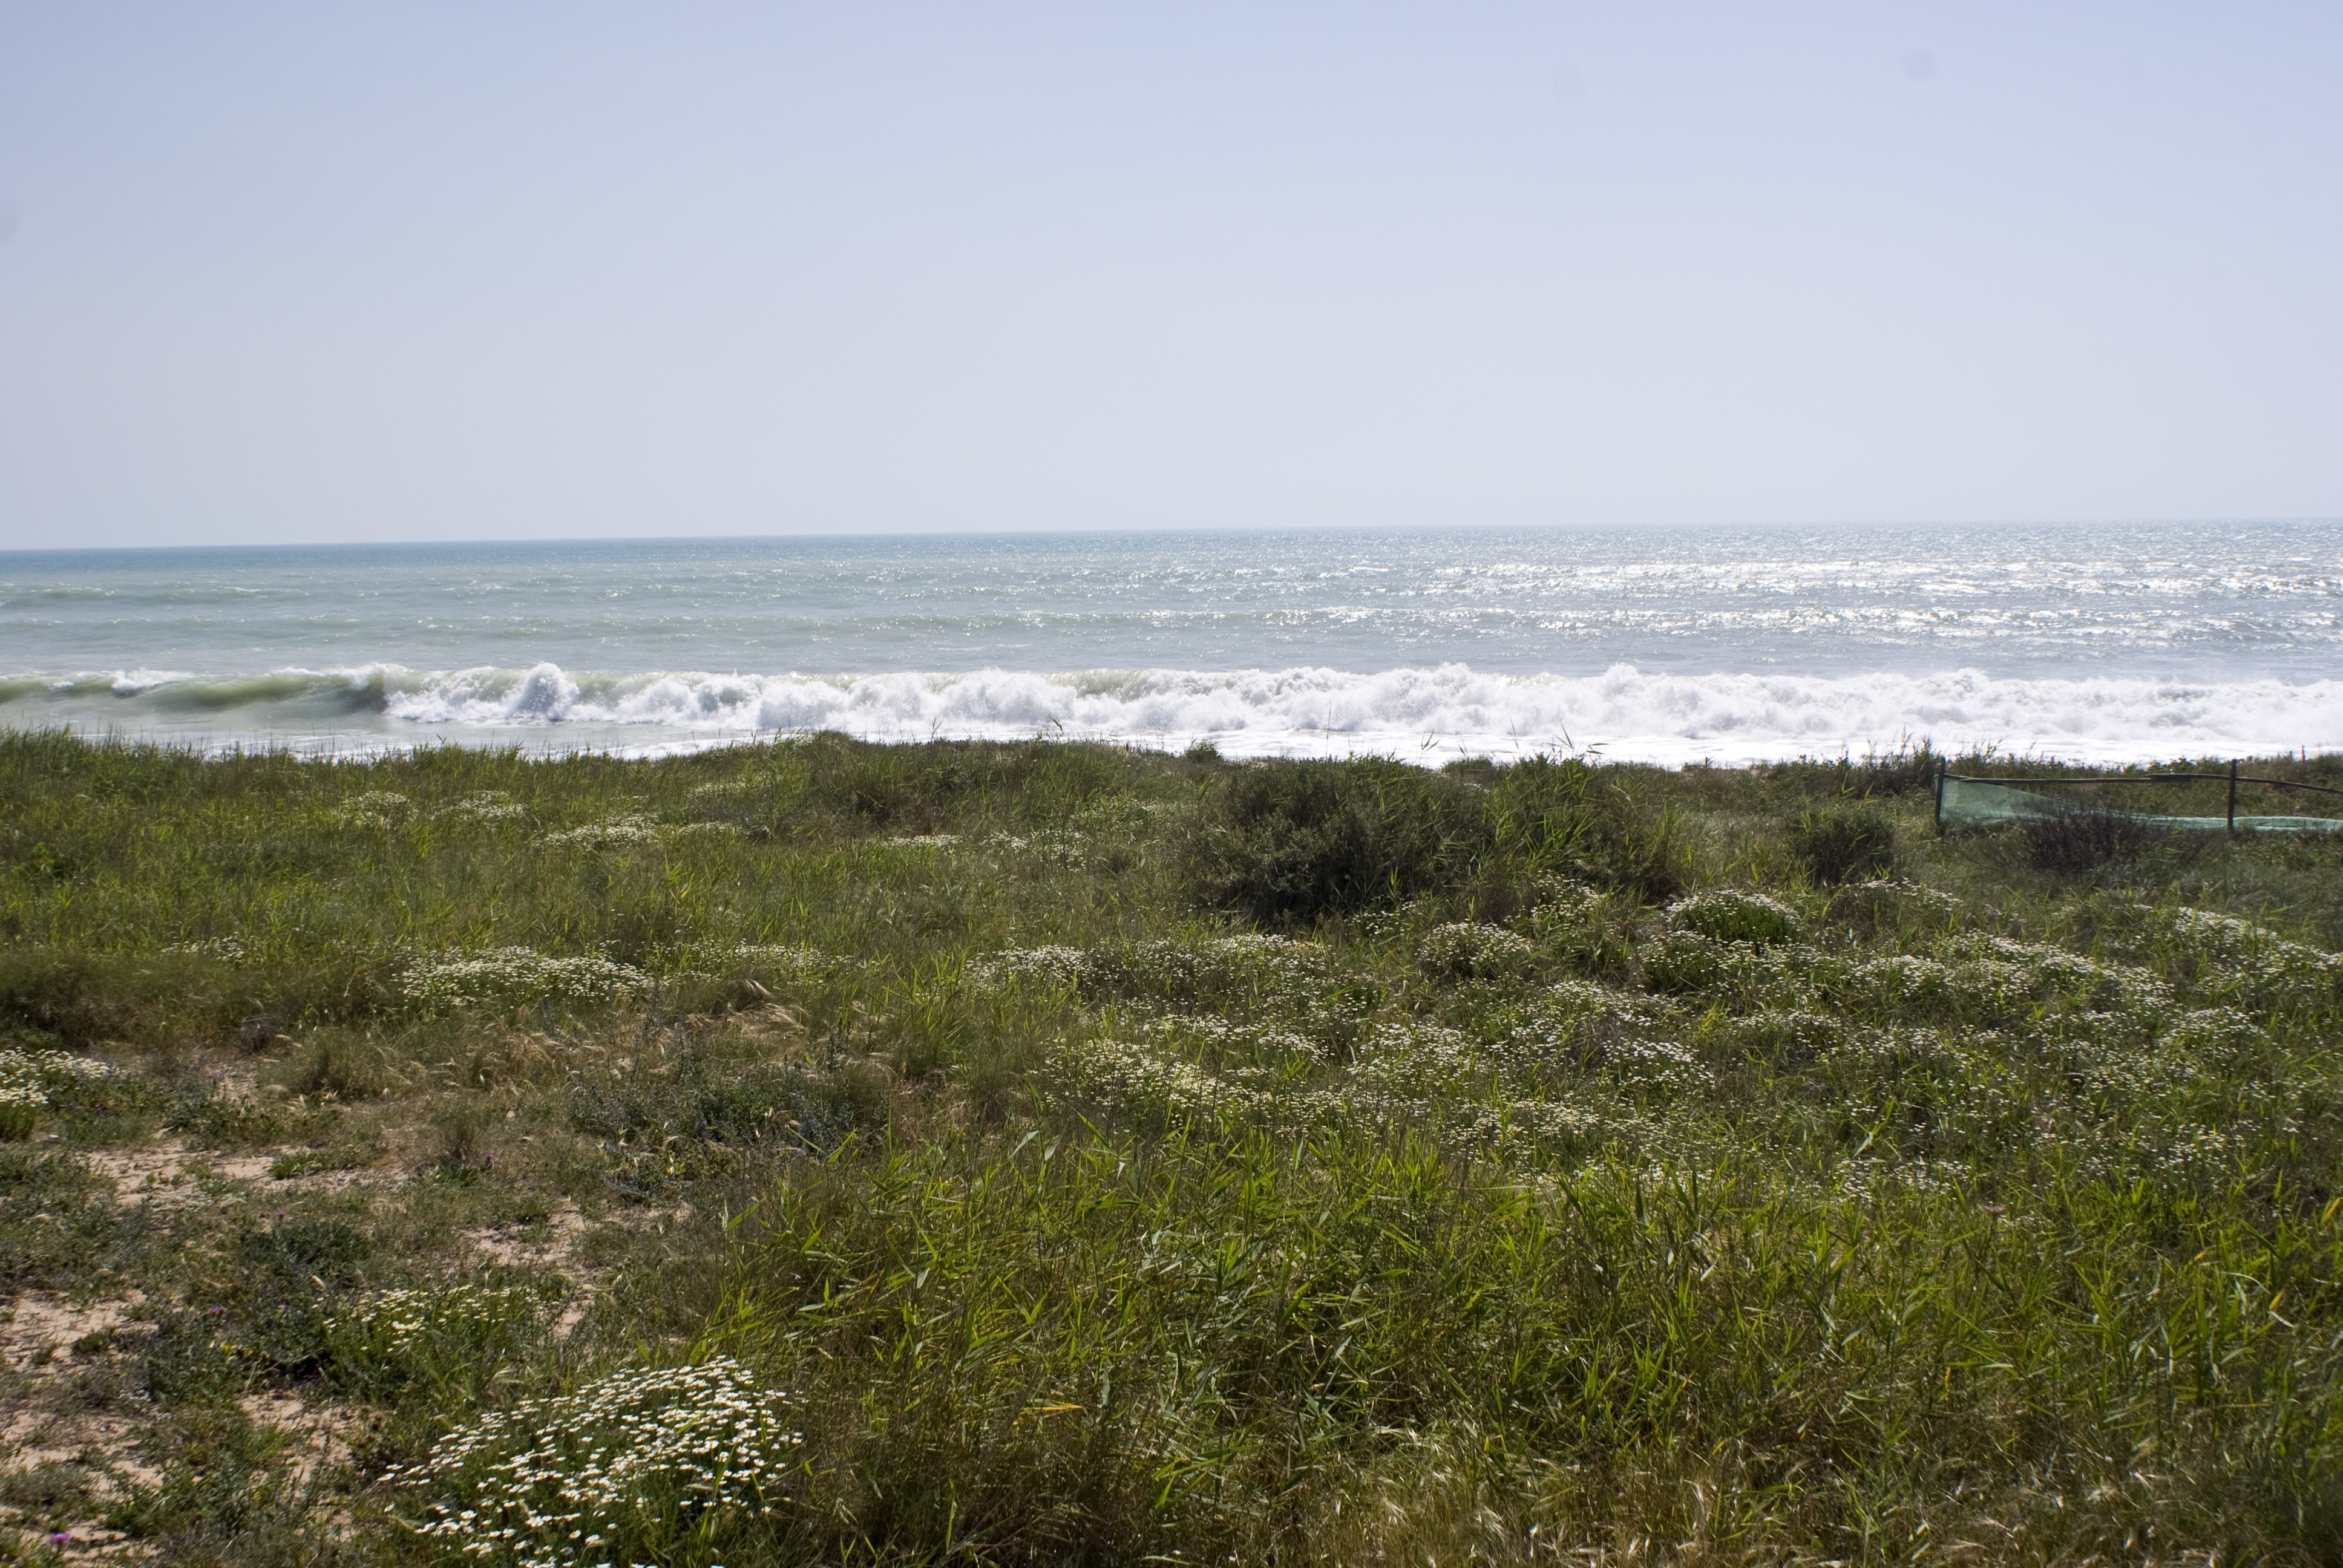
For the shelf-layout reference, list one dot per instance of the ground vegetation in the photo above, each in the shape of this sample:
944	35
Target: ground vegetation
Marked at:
816	1153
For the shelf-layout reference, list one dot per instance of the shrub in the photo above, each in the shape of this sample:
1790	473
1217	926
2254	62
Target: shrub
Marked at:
1564	815
1730	917
461	1141
1844	843
2079	839
1641	852
1292	842
1469	951
1904	771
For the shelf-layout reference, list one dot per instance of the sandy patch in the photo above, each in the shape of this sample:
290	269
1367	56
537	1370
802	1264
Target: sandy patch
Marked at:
37	1341
550	1245
170	1174
167	1169
558	1245
107	1442
553	1246
41	1330
104	1446
313	1433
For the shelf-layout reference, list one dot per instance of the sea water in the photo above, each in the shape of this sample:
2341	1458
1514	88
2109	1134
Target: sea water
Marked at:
2089	642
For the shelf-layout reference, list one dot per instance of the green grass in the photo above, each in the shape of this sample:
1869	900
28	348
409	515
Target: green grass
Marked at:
1047	1152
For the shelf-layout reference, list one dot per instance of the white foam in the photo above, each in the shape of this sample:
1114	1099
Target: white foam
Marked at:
132	682
1442	711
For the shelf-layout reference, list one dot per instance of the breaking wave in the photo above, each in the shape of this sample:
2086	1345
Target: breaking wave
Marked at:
1437	711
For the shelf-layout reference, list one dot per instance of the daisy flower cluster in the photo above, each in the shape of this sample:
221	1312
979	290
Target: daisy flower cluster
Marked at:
1979	975
1250	967
1140	1073
391	1322
1690	961
1466	950
1880	895
633	831
2021	969
1573	1007
485	806
618	833
769	960
1411	1058
1054	968
1988	1034
1060	846
2249	957
1225	1037
638	1457
1789	1036
1405	1072
226	948
28	1076
512	976
375	808
1730	917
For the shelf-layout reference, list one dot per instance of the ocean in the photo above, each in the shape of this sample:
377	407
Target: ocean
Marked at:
2083	642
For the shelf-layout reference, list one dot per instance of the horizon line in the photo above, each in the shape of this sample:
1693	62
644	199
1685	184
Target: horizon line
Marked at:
812	536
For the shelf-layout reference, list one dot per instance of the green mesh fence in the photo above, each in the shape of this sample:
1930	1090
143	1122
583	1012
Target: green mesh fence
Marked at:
1993	803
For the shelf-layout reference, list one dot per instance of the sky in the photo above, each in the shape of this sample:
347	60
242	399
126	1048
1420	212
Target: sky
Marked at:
277	273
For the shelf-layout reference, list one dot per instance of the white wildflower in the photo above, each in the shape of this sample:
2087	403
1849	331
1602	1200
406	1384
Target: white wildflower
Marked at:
485	806
391	1322
2247	957
226	948
618	833
1733	917
1056	967
27	1077
1465	950
653	1454
514	976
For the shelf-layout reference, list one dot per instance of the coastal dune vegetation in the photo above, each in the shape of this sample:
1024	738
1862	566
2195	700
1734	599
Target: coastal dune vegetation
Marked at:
821	1152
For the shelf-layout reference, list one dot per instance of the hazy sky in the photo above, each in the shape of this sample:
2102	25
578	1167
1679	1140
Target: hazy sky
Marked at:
430	271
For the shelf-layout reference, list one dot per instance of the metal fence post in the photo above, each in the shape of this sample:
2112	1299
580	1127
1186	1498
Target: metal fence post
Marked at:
2233	795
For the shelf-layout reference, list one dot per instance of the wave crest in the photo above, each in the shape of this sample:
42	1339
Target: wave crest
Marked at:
1443	710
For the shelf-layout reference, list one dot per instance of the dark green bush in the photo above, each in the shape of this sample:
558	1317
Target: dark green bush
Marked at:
698	1098
923	788
2080	839
1290	842
1904	771
1539	809
1844	843
1638	851
1566	814
299	1252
